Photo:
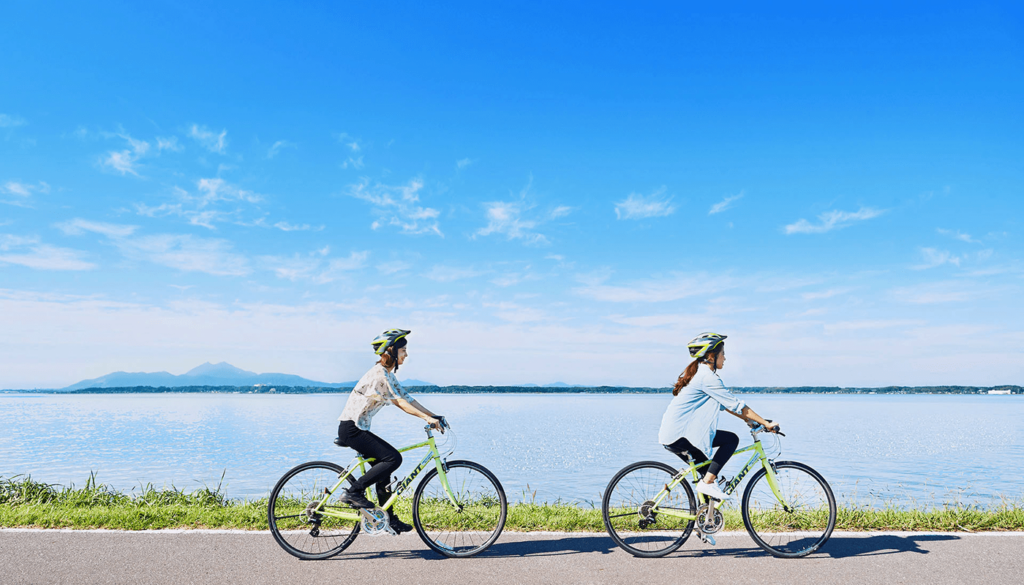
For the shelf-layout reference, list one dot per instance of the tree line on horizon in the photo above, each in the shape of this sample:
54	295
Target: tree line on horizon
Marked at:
534	390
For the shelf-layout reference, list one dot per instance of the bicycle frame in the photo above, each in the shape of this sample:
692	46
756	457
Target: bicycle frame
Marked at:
432	454
758	456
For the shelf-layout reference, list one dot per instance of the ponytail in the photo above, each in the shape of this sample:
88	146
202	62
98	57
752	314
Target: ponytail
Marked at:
691	370
389	359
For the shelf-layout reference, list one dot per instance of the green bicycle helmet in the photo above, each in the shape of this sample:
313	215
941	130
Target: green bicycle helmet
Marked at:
391	338
703	343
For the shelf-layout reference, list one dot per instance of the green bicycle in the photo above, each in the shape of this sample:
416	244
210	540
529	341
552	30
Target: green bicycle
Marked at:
788	508
458	509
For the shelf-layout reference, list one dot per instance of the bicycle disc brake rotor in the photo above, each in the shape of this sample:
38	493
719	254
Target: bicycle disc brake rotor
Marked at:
647	516
709	519
375	521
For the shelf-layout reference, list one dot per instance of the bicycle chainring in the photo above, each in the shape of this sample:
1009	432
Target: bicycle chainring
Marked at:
375	522
709	519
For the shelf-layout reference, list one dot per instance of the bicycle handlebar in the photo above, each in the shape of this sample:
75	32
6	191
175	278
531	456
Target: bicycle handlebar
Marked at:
442	424
758	428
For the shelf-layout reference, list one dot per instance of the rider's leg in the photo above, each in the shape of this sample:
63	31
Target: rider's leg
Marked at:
387	458
682	446
726	443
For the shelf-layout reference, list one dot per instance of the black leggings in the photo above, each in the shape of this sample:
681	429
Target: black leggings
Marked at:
368	444
724	440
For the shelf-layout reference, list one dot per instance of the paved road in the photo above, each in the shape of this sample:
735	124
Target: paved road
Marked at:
232	557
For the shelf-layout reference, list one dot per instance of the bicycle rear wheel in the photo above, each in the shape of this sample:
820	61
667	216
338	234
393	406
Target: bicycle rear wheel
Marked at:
632	521
803	525
301	532
468	525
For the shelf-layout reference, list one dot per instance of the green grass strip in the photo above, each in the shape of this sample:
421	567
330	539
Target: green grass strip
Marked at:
26	503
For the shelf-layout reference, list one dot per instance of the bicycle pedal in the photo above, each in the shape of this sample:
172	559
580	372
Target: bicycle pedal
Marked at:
707	538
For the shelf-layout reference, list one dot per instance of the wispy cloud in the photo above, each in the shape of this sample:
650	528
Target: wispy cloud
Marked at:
168	143
398	206
939	292
655	290
637	206
824	294
353	162
279	146
441	273
958	235
9	121
933	258
518	219
284	226
31	253
126	161
22	192
831	220
315	266
393	267
725	203
78	226
186	253
463	163
214	200
209	139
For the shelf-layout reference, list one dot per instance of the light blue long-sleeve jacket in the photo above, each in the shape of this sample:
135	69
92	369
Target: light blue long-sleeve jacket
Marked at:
693	413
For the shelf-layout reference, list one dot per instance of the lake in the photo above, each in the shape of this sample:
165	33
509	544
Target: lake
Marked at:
873	449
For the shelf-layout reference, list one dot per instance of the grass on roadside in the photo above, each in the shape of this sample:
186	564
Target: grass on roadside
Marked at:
25	502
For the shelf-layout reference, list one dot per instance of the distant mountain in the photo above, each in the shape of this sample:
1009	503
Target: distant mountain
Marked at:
413	382
222	374
551	385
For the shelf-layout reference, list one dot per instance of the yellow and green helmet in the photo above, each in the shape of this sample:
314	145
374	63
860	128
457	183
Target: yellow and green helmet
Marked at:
703	343
388	339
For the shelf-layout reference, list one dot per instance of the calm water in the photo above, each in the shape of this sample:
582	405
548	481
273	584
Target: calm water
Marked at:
872	449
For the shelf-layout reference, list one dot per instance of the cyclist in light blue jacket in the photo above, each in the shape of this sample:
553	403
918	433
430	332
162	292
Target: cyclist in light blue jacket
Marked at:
690	424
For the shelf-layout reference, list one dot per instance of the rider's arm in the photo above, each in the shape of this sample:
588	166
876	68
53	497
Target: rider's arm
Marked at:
416	404
411	409
748	414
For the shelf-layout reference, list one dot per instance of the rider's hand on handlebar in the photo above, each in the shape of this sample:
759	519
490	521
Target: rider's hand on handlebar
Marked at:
435	423
772	427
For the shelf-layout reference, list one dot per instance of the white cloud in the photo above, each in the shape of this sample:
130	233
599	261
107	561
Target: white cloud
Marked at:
393	267
186	253
637	206
398	206
560	211
939	292
78	226
205	207
353	162
832	220
958	235
463	163
315	266
825	294
725	203
291	227
441	273
279	146
169	143
31	253
22	192
505	218
933	258
8	121
209	139
655	290
126	161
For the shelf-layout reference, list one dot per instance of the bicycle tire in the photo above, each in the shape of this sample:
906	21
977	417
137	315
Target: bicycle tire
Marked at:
279	494
482	507
790	549
631	540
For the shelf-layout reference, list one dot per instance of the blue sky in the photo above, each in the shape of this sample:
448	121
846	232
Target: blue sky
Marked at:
539	192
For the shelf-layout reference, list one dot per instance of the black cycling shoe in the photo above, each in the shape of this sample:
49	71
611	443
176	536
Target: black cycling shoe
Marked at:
398	526
356	499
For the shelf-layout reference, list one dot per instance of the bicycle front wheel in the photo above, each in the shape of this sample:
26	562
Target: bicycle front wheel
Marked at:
467	519
634	522
797	524
301	531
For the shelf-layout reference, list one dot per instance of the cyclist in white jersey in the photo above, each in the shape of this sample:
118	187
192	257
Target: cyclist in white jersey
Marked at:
375	390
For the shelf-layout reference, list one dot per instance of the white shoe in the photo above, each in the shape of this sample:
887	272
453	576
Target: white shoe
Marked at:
711	490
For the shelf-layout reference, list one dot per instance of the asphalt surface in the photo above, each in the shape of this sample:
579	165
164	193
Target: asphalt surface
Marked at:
52	556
